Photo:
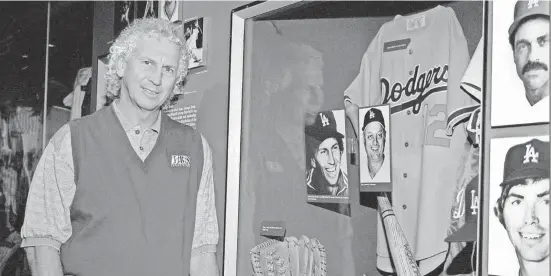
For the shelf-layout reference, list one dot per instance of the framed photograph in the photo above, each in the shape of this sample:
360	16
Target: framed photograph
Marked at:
520	76
169	9
325	151
146	9
101	99
374	139
518	227
125	13
194	32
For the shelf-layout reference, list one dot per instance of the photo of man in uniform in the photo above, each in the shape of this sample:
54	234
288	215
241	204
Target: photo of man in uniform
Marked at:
325	152
523	206
529	38
521	79
374	137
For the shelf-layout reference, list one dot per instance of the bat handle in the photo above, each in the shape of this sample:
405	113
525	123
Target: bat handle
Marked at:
399	247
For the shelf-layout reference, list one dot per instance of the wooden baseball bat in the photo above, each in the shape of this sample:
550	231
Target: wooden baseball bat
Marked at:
404	261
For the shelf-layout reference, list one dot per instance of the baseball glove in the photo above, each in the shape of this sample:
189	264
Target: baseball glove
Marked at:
294	257
306	256
291	257
319	261
271	258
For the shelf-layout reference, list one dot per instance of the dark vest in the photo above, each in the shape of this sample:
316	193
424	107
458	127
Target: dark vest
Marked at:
131	217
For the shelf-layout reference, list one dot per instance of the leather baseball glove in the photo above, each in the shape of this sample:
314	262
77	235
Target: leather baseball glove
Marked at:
271	258
306	256
319	267
294	257
291	257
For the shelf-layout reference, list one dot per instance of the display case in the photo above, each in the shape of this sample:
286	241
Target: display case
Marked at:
296	69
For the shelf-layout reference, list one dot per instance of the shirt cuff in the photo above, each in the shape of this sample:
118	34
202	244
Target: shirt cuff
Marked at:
28	242
207	248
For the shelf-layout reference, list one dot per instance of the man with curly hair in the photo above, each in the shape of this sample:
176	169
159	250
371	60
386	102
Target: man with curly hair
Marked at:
127	190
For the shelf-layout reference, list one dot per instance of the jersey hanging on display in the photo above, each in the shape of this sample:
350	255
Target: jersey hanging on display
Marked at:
415	64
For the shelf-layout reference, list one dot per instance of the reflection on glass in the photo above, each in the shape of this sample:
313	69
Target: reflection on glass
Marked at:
286	95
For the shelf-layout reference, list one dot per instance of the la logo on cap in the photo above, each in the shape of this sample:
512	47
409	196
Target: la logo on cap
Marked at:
462	201
531	155
533	3
371	114
324	120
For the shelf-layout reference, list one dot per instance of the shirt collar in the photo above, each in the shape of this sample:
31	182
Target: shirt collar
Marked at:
127	125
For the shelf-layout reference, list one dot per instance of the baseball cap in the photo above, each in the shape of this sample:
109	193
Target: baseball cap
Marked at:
525	8
468	231
527	160
324	127
373	115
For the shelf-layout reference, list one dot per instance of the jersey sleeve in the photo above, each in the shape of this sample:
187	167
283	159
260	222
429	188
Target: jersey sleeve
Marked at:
460	104
472	80
365	89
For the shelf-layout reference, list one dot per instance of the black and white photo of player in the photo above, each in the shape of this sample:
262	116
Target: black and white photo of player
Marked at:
374	144
168	9
125	12
326	177
147	8
519	196
193	31
520	77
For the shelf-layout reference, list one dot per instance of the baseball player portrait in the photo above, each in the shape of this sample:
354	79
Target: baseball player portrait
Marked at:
325	151
521	208
526	43
375	160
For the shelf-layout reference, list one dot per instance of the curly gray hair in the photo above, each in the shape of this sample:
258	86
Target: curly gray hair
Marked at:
125	43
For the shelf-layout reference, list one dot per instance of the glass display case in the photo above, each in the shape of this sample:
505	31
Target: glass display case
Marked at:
296	69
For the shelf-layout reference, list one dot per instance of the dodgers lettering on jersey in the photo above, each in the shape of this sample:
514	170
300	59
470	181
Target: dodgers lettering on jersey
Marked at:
416	88
417	69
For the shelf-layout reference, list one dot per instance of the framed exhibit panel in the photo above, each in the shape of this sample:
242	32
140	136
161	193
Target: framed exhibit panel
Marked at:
301	75
520	74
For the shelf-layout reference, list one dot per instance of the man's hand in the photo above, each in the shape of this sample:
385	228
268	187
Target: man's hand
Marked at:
204	265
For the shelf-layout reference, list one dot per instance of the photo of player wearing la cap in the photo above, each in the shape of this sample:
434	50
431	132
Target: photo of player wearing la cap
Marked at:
519	196
520	77
325	144
374	144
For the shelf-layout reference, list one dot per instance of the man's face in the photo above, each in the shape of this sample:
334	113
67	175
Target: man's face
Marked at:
150	72
374	141
309	94
531	51
328	156
526	218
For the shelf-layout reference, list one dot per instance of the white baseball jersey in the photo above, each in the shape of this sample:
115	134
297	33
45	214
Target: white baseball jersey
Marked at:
472	84
415	63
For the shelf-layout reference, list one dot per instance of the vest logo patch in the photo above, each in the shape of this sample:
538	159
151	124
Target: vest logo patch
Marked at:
418	88
180	161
